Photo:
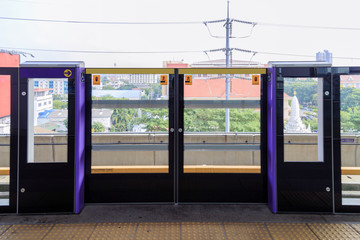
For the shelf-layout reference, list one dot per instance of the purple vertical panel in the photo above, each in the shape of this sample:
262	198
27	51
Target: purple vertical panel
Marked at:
79	141
271	122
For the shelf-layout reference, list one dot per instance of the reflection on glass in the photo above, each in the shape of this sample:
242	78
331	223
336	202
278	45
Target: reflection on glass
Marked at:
5	120
208	147
130	123
47	120
303	120
350	128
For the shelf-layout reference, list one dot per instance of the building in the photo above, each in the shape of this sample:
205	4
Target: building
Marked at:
102	116
350	81
127	94
324	56
221	63
143	79
6	60
57	120
57	85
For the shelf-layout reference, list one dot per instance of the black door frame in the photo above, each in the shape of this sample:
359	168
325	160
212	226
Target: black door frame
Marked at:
14	78
224	187
46	187
336	73
301	186
129	187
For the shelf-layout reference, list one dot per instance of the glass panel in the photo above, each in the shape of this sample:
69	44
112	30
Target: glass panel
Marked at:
209	148
130	122
5	120
303	120
350	128
47	120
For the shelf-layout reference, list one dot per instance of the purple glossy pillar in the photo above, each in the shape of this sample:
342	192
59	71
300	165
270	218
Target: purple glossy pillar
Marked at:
271	147
79	140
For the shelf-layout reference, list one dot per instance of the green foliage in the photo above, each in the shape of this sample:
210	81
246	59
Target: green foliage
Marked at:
155	120
57	104
313	124
108	87
305	89
106	97
123	119
127	87
195	120
213	120
59	97
98	127
66	122
153	92
244	120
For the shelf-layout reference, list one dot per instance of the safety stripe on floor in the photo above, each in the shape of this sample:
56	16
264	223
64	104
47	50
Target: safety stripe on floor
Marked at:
182	230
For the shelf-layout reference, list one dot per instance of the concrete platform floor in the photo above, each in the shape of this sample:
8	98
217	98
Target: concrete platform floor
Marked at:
179	222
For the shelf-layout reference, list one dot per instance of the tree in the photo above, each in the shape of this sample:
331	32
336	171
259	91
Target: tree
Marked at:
155	120
59	104
244	120
108	87
66	122
123	119
127	87
98	127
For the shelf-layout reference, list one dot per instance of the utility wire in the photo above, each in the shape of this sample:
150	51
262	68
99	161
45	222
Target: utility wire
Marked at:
308	26
164	52
93	22
179	23
101	52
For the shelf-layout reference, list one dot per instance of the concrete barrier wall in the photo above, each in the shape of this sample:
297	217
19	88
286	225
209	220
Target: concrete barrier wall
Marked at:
52	148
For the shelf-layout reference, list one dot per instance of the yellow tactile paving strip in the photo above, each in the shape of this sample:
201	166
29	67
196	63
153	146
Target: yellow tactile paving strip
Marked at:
334	231
246	231
200	230
182	230
158	231
3	228
26	232
290	231
114	231
71	231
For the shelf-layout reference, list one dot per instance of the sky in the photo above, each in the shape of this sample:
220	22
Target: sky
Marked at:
180	37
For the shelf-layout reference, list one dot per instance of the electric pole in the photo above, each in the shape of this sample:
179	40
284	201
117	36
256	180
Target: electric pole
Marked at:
227	52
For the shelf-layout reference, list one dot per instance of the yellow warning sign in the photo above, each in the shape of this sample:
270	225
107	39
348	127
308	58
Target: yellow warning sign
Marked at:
67	73
96	80
163	79
255	79
188	79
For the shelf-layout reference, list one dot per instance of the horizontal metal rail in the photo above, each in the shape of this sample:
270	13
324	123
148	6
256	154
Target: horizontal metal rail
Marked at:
98	104
130	71
222	103
222	71
187	147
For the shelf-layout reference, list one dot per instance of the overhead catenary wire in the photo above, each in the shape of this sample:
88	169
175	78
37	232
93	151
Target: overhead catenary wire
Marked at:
179	23
166	52
98	22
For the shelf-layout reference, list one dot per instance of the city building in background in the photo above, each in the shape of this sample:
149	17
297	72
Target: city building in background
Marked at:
56	86
6	60
324	56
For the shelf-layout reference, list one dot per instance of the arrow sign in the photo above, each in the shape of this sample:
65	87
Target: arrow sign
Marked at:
67	73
